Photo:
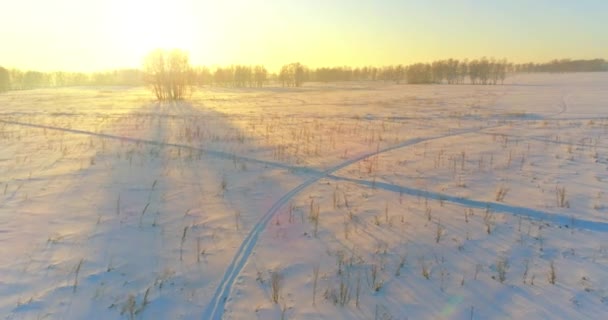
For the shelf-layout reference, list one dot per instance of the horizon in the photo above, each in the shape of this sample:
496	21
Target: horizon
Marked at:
109	35
277	70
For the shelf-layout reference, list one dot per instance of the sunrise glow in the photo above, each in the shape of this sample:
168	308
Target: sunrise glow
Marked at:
95	35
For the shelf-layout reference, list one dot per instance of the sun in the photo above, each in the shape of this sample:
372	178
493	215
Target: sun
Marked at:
144	25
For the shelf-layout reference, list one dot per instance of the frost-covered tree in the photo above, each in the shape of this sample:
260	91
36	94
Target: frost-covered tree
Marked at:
168	73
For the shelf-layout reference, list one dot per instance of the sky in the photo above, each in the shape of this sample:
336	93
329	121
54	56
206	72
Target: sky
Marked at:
93	35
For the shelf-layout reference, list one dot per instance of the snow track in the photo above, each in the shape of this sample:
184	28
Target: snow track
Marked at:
215	153
215	309
554	218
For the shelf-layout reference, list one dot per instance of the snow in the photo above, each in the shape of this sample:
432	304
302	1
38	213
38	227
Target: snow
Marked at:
116	206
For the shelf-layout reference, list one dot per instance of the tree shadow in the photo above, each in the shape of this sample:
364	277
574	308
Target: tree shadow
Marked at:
154	216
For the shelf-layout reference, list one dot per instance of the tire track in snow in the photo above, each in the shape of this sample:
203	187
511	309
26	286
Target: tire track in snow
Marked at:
545	139
215	153
215	309
555	218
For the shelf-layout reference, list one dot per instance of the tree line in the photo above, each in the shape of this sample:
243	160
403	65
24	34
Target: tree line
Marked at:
450	71
160	70
564	65
15	79
483	71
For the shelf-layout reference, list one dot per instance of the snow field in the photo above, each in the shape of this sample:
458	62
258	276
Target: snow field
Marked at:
339	201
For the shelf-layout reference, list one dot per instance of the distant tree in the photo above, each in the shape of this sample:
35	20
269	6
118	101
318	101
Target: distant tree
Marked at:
474	71
398	74
5	80
451	71
462	71
202	76
334	74
293	75
242	76
119	77
222	76
284	76
564	65
16	78
486	70
260	75
101	78
33	79
129	77
499	71
78	79
59	78
299	74
419	73
439	71
168	73
388	73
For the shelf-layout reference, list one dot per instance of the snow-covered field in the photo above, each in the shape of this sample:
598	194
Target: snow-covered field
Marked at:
331	201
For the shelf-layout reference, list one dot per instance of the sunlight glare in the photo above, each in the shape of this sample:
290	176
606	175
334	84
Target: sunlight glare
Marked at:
146	25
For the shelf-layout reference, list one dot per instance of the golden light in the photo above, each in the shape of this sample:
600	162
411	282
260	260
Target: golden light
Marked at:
142	26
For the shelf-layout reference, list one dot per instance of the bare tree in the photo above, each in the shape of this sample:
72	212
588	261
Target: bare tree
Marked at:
223	76
260	75
202	76
169	74
33	79
293	74
419	73
5	80
564	65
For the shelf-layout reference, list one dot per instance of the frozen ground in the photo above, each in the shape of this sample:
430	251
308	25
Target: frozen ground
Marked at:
339	201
